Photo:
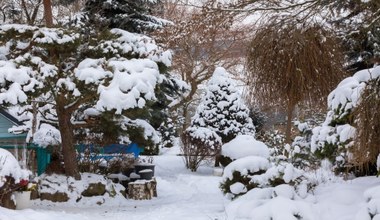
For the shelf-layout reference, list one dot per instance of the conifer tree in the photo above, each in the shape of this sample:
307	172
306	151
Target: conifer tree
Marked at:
222	109
131	15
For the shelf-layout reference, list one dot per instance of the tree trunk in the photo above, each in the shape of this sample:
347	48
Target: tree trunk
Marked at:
67	136
288	131
48	14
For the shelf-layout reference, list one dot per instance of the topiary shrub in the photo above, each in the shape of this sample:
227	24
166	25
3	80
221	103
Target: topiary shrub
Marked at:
238	174
250	172
242	146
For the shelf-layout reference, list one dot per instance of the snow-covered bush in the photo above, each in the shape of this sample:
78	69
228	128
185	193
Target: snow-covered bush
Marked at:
199	144
12	178
250	172
274	139
9	167
220	116
298	153
242	146
334	139
237	175
168	133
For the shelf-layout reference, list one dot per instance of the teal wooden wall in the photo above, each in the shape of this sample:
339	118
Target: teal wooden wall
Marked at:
5	124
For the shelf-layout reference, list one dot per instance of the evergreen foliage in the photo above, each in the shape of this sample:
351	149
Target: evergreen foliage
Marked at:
131	15
72	72
346	135
222	109
359	28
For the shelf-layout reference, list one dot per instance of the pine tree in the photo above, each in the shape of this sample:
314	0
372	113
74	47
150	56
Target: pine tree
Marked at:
131	15
222	109
72	70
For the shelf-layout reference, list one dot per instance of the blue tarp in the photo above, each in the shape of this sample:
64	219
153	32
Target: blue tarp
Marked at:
106	152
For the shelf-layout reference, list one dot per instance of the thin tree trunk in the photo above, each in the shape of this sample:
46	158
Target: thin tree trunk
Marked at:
48	13
67	137
288	131
34	119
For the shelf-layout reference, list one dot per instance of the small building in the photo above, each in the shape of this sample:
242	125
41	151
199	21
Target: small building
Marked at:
30	156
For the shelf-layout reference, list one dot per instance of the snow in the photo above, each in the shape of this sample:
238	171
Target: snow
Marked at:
91	71
206	135
149	132
186	195
9	166
58	183
238	188
244	165
181	195
244	145
132	79
349	89
341	101
47	135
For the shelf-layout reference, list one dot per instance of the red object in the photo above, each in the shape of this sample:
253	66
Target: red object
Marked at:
23	182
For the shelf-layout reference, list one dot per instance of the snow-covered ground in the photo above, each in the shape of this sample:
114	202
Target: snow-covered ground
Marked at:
186	195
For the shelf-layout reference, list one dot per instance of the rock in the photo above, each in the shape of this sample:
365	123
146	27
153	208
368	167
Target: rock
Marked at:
94	189
6	191
142	189
54	197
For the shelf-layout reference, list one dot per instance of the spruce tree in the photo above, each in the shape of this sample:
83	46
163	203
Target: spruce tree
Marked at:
222	110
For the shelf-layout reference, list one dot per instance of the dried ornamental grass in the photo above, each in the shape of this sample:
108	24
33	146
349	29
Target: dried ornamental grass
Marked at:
367	115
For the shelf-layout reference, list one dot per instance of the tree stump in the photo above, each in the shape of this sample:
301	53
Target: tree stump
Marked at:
142	189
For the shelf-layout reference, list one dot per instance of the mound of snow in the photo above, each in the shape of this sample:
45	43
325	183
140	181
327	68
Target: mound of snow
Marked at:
244	165
245	145
270	204
10	167
372	208
350	88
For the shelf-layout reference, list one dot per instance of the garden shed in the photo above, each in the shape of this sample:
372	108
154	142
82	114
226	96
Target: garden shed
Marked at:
29	156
